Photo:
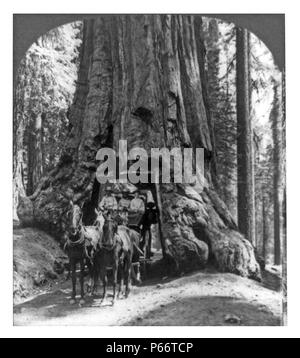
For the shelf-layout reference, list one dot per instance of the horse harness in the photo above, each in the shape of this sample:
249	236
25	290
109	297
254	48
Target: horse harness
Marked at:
82	240
116	239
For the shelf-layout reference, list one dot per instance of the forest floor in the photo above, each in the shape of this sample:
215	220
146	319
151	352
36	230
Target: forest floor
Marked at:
205	298
38	262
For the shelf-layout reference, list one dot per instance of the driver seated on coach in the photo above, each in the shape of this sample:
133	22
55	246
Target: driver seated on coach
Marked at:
123	207
137	204
108	202
124	202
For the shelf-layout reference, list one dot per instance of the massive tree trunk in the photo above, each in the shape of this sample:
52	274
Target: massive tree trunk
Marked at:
140	80
246	207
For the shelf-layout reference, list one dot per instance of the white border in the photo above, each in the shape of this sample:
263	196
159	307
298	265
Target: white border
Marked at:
293	131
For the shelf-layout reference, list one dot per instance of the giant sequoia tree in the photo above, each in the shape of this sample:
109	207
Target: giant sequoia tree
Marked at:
141	79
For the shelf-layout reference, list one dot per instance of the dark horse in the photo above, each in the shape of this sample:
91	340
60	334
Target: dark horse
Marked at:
116	251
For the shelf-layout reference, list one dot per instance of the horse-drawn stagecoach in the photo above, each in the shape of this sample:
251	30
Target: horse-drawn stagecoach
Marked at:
107	244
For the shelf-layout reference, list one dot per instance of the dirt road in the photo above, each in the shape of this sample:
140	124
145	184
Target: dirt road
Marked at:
204	298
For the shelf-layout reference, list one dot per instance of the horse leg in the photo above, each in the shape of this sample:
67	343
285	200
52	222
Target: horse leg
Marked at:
121	277
95	274
147	247
104	282
73	274
127	273
120	273
96	281
69	272
81	281
149	244
115	277
89	285
138	274
143	239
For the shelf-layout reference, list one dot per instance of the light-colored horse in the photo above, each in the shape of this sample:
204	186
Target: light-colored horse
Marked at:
81	246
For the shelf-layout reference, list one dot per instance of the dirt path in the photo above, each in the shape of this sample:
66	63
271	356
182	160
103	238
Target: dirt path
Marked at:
203	298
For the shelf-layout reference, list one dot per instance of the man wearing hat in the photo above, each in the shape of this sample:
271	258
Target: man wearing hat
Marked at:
123	207
136	209
124	202
108	202
137	204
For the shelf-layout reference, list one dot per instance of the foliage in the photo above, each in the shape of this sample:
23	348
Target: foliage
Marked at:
45	86
220	44
221	74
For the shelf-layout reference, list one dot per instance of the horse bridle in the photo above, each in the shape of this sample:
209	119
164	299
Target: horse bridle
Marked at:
109	247
77	230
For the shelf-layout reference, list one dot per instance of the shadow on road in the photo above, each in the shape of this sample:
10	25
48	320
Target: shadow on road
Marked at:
207	311
57	304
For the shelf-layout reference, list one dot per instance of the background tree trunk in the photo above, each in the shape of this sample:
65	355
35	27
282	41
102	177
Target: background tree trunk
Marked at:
284	238
265	229
35	152
18	142
140	80
276	118
246	207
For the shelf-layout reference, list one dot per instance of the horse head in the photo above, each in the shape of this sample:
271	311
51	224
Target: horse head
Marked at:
100	219
75	218
110	229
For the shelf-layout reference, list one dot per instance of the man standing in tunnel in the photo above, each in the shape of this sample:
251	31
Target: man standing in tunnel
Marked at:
149	218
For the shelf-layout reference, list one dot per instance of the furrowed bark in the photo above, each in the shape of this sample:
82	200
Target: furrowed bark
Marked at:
140	80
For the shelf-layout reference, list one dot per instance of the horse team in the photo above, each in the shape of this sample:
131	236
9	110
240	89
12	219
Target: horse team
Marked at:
99	247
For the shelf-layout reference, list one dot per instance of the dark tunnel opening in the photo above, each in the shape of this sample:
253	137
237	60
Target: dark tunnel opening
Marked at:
88	209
